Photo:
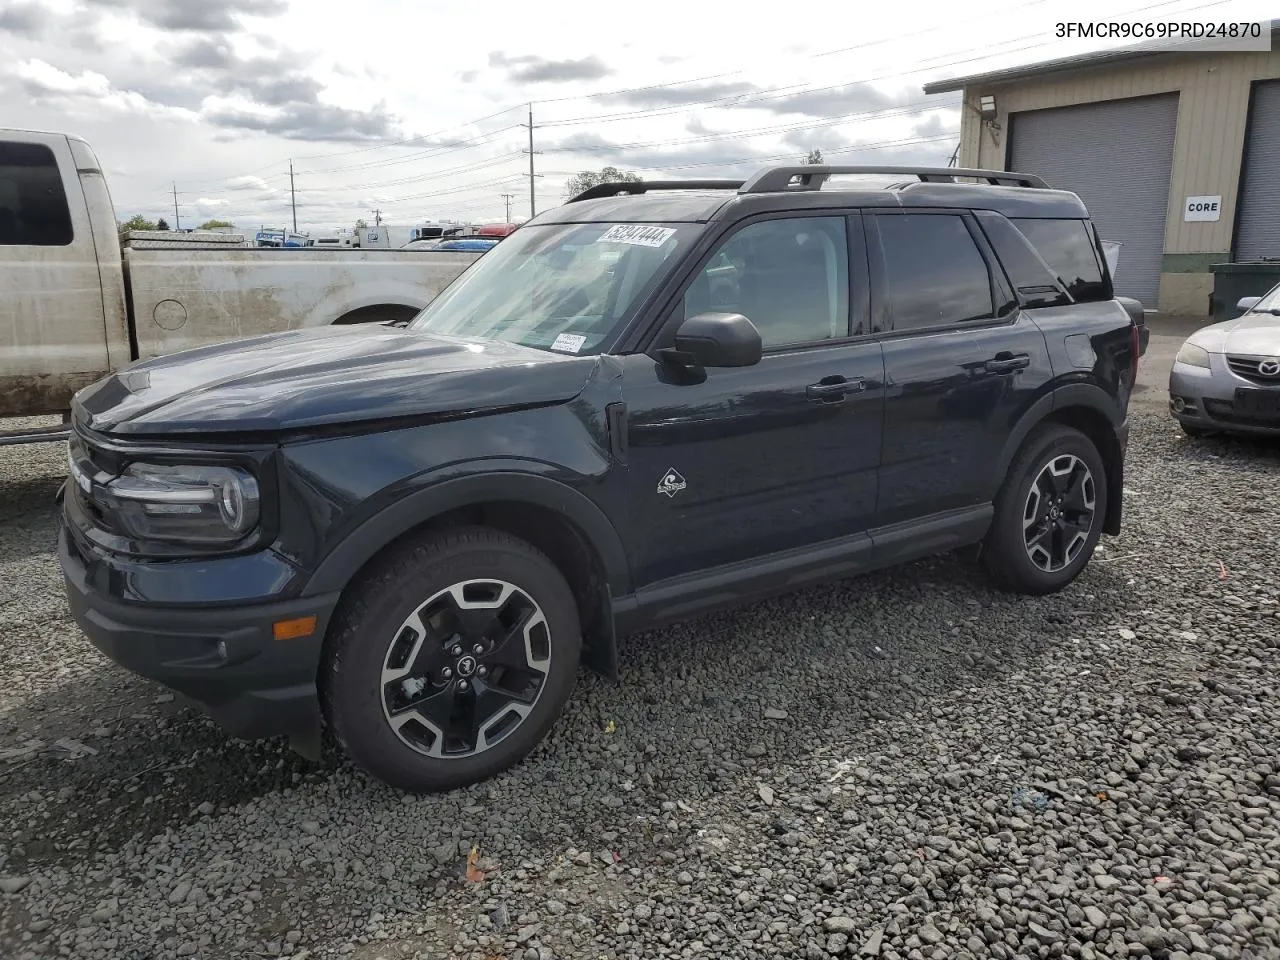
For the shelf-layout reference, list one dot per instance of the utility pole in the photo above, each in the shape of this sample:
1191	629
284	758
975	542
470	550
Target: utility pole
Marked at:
954	156
293	198
508	197
533	207
176	225
377	218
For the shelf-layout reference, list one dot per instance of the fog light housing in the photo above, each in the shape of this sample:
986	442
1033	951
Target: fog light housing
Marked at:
1179	405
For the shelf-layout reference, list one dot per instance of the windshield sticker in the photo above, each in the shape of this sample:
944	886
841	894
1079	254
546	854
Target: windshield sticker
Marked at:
569	342
636	233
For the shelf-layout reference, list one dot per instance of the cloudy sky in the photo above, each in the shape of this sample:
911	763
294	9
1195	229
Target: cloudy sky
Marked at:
416	107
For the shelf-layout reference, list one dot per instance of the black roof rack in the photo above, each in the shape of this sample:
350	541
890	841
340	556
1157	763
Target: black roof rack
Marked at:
811	176
644	186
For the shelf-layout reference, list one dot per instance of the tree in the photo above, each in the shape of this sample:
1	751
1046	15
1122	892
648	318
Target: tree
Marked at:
138	222
216	224
590	178
362	224
162	224
814	157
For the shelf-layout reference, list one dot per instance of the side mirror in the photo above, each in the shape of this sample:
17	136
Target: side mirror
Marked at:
719	340
1245	304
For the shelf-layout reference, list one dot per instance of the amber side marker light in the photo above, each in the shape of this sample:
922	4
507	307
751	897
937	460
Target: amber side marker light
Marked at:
293	629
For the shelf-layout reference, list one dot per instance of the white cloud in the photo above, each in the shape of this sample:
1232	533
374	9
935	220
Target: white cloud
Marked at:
249	183
85	92
219	95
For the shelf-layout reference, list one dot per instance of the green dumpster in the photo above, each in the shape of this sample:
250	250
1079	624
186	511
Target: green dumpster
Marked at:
1231	281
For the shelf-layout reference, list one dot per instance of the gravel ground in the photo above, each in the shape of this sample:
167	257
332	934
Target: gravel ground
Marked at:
905	765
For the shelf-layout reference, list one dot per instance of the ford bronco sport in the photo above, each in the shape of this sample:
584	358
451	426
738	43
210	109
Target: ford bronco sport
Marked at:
655	400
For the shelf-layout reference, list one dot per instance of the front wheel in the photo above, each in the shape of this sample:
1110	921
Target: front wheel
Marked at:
450	662
1048	514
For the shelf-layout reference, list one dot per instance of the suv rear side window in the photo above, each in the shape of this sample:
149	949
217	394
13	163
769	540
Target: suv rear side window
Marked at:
936	274
1067	247
790	277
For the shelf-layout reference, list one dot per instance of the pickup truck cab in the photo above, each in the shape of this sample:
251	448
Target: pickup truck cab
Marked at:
75	304
656	400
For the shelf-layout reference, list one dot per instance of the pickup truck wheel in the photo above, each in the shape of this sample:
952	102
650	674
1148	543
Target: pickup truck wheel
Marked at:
1048	514
451	662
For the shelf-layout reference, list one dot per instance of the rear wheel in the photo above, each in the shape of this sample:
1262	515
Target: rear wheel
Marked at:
451	662
1049	512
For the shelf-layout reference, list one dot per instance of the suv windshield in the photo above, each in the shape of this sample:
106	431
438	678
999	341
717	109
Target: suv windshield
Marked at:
563	287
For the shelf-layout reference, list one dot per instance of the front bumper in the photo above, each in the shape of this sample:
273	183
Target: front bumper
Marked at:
226	658
1205	398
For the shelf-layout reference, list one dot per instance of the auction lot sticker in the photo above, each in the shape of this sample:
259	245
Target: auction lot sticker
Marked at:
637	233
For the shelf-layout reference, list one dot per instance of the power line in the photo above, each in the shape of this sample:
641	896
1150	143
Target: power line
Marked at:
612	93
811	56
767	94
741	100
848	120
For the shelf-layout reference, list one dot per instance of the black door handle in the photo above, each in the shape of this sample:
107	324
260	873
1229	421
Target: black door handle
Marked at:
831	389
1005	362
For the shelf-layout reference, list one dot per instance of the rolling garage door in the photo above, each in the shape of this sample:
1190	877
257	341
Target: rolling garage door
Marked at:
1258	223
1118	156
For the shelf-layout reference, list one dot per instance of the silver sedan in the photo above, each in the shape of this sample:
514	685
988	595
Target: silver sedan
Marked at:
1226	377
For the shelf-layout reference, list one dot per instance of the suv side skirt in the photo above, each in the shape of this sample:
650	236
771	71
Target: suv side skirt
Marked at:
745	581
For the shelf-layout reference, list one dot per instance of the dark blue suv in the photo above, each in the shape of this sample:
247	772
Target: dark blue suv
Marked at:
653	401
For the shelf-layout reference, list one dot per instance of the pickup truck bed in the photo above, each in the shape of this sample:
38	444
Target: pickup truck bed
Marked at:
77	303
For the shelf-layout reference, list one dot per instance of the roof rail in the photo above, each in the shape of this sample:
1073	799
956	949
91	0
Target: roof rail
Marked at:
644	186
812	176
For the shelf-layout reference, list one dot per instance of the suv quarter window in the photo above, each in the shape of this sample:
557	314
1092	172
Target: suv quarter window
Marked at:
33	203
789	276
1034	281
935	275
1067	247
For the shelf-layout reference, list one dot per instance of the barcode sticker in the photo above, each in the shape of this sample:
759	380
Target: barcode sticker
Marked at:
569	342
637	233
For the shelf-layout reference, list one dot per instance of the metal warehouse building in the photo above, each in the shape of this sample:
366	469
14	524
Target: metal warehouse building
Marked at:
1177	155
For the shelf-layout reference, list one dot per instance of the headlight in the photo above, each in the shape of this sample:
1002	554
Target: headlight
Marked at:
191	504
1193	355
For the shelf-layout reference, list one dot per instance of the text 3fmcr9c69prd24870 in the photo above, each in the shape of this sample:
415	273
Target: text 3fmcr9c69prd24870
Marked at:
652	401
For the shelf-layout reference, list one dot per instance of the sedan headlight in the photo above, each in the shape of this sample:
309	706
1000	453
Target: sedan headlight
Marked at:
1193	355
209	505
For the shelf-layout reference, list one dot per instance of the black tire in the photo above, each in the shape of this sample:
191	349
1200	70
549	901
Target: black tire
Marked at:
1006	553
370	631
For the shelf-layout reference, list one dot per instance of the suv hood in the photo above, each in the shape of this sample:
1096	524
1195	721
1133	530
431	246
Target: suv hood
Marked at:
326	376
1256	334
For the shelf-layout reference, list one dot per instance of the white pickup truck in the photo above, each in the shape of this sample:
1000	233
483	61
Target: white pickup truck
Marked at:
76	303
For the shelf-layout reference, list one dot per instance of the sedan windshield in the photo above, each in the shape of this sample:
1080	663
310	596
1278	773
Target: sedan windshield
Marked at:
563	287
1270	303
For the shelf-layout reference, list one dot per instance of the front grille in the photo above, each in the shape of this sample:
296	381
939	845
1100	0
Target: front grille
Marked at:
1247	367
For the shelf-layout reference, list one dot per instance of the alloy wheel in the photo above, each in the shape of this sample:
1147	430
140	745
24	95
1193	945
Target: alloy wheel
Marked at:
465	668
1058	515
